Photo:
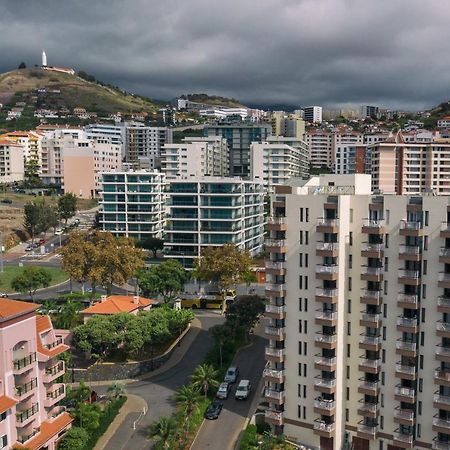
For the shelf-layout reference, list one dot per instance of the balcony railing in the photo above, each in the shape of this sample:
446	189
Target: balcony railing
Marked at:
275	309
442	326
440	445
25	388
322	426
444	277
415	274
275	265
326	315
26	437
372	385
404	391
443	301
275	243
54	344
327	269
369	340
439	398
441	423
370	317
399	367
327	222
327	246
405	414
403	437
22	416
407	321
325	382
407	298
272	394
372	247
444	351
375	295
274	415
445	226
272	373
55	369
21	363
56	393
406	225
373	363
274	287
326	292
366	429
325	361
406	345
373	223
276	352
409	249
274	331
324	404
277	220
372	270
443	251
368	406
325	338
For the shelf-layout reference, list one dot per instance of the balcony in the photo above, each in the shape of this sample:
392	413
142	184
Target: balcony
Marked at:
440	445
274	375
327	249
55	396
407	324
275	245
325	363
373	226
327	272
371	297
274	333
442	353
441	401
275	312
56	412
405	348
275	354
22	438
21	365
410	228
325	407
25	390
444	255
277	290
275	267
445	230
51	373
444	280
327	225
403	440
326	318
372	250
326	385
324	429
441	377
372	273
326	295
325	340
370	320
441	425
409	252
24	417
368	409
443	304
55	343
369	365
411	277
405	372
404	416
368	387
277	223
274	417
404	394
408	301
369	342
443	328
366	432
273	396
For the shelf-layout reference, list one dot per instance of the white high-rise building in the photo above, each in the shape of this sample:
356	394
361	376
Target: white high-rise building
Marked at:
359	334
313	114
11	161
320	143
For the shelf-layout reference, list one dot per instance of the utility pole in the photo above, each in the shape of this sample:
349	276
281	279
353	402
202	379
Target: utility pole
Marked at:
1	252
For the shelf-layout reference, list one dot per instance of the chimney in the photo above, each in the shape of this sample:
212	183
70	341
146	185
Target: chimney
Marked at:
136	299
103	298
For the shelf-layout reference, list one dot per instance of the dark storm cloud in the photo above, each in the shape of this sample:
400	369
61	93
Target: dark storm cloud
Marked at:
330	52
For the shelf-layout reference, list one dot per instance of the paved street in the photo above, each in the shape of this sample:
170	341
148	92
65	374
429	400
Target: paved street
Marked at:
221	434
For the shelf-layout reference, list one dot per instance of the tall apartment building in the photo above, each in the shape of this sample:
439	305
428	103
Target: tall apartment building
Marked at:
411	168
115	134
359	339
287	125
30	141
11	161
143	144
213	211
351	159
369	111
132	204
31	386
75	162
195	156
279	159
313	114
239	136
320	144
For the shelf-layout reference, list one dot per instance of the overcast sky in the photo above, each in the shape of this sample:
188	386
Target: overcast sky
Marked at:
392	53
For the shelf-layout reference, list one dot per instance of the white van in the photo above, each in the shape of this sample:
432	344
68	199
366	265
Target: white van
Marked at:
243	390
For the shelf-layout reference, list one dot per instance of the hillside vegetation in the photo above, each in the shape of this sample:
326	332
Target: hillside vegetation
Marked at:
214	100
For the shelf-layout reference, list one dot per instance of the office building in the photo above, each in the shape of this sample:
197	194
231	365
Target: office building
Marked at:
287	125
213	211
279	159
11	161
31	387
239	136
444	122
195	156
313	114
132	204
359	334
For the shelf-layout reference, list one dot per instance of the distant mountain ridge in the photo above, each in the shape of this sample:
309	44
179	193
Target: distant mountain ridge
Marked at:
214	100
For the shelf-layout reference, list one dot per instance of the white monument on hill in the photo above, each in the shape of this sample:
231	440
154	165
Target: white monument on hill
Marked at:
44	59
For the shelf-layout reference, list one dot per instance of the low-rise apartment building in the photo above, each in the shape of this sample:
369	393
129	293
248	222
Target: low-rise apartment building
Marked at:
31	386
132	204
30	141
359	333
213	211
320	143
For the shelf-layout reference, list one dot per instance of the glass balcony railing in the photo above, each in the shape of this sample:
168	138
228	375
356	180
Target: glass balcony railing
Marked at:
21	363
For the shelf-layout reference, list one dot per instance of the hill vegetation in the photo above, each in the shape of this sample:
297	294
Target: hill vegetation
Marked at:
214	100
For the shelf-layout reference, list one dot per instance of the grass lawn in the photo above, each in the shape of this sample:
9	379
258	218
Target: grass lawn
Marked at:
11	271
19	200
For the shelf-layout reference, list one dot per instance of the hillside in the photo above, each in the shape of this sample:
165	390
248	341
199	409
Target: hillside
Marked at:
22	85
215	100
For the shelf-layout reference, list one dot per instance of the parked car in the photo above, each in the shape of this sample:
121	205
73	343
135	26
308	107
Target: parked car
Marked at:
7	201
224	390
232	374
213	410
41	241
29	248
58	231
3	295
243	390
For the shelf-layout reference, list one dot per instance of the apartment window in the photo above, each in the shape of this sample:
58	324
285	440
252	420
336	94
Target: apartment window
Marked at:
306	305
386	264
418	429
301	260
306	281
386	240
383	356
381	445
300	282
300	304
299	369
385	287
348	350
300	326
347	393
422	338
306	259
420	384
382	378
382	400
299	347
350	238
306	214
426	218
349	306
306	237
349	329
351	215
350	261
384	310
419	408
423	315
4	441
425	266
304	370
421	361
382	422
346	415
299	390
299	412
304	412
384	333
388	216
305	348
3	416
301	238
306	327
424	291
304	391
301	214
348	372
425	242
349	283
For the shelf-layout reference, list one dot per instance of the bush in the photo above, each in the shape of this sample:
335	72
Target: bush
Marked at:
249	439
75	439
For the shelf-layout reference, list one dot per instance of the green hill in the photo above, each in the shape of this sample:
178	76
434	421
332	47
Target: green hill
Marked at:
215	100
74	91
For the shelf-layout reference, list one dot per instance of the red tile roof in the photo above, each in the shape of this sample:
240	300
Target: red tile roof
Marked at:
43	323
116	304
6	403
14	308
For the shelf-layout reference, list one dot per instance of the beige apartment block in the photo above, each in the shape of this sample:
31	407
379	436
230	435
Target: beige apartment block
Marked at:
358	345
11	161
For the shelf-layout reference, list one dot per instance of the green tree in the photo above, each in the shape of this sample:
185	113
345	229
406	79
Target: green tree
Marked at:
67	206
32	219
31	279
69	315
32	172
246	310
80	394
187	398
162	431
22	65
116	390
221	334
75	439
165	279
248	278
87	416
205	377
152	244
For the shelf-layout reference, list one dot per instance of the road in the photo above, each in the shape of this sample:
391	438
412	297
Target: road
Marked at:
221	434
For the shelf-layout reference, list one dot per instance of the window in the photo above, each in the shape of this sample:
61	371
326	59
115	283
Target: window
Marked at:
299	369
384	310
385	287
350	238
347	393
304	370
306	259
299	390
425	266
300	326
388	216
306	327
425	242
421	361
349	329
382	422
386	264
306	214
426	218
349	283
348	350
306	237
349	306
299	347
384	333
306	281
305	348
301	214
383	356
422	338
300	282
3	416
418	429
382	378
348	372
301	260
381	446
386	239
4	441
299	411
300	240
346	415
423	315
306	305
419	409
304	391
300	304
424	291
351	215
304	412
350	261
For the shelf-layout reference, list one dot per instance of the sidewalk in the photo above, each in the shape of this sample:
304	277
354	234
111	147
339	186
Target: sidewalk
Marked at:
133	404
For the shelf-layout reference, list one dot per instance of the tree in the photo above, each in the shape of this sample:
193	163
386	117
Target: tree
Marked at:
165	279
32	172
187	399
22	65
221	334
205	377
69	315
32	219
248	278
115	390
80	394
153	244
163	430
87	416
75	439
67	206
31	279
246	310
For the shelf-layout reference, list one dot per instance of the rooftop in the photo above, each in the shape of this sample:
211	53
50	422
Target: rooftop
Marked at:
115	304
15	308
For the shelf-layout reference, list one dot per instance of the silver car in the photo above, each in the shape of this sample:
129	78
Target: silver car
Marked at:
223	391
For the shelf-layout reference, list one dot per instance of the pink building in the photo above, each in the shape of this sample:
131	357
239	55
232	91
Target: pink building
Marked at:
30	379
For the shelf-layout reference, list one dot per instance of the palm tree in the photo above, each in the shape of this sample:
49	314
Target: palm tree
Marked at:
205	377
187	398
162	430
69	315
115	390
221	334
